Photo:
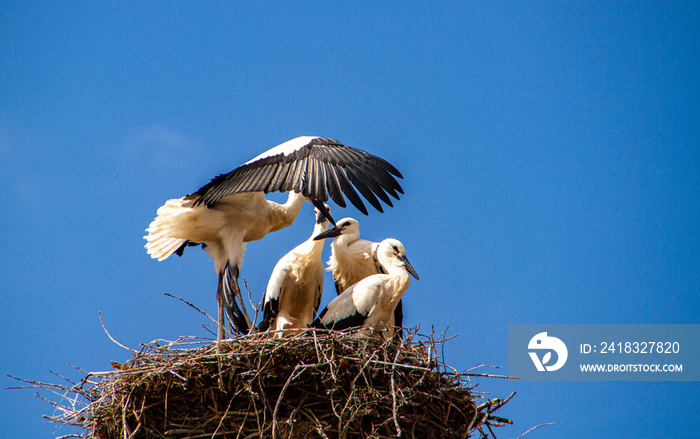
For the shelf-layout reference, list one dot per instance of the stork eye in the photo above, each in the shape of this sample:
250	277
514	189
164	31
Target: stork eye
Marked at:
345	224
396	249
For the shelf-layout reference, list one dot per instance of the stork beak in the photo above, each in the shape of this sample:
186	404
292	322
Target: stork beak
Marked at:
322	208
409	267
320	217
330	233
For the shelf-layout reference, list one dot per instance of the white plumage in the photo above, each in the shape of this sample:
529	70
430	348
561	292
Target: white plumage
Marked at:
285	148
224	231
353	259
294	290
231	210
371	301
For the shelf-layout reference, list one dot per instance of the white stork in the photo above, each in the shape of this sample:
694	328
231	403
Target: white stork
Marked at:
294	291
371	301
353	259
231	210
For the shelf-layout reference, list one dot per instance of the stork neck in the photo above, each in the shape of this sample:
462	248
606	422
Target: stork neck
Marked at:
345	240
398	284
283	215
318	244
293	205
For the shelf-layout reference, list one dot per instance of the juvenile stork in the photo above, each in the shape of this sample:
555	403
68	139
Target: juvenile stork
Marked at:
231	209
353	259
294	291
371	301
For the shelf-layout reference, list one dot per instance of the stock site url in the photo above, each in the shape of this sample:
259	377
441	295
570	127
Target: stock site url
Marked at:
632	368
636	347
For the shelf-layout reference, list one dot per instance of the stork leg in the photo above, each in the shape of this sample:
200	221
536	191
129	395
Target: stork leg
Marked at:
237	292
220	333
398	319
239	320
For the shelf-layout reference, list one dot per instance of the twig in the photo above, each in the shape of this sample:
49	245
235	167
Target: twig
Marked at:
134	352
488	375
298	370
192	305
139	418
319	428
195	307
393	393
535	427
250	299
222	418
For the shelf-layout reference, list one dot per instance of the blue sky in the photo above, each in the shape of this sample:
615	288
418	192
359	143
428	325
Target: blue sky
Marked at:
550	153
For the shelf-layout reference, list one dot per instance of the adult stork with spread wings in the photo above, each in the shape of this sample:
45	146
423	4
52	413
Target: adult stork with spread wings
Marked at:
231	210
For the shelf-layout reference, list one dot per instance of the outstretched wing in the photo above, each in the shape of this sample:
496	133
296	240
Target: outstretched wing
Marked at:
316	167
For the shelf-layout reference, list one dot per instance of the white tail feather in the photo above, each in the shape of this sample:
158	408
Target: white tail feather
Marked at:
161	242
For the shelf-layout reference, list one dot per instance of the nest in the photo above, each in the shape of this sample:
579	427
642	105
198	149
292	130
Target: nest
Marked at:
316	384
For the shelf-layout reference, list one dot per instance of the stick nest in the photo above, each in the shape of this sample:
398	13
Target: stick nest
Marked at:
316	384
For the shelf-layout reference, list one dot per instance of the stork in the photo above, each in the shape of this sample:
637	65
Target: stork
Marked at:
371	301
353	259
294	291
231	209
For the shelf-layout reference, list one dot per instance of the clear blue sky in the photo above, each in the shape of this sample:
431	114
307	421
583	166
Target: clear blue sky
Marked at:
550	151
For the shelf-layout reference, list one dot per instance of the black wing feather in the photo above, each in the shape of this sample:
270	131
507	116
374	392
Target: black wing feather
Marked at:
278	177
334	187
288	182
349	191
364	190
316	180
249	180
369	176
351	321
321	169
386	165
270	311
299	179
388	183
372	182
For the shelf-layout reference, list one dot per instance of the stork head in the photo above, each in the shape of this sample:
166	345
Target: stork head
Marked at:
345	227
323	208
321	217
392	253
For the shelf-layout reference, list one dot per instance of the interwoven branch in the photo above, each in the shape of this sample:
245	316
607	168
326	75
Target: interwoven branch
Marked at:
316	384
